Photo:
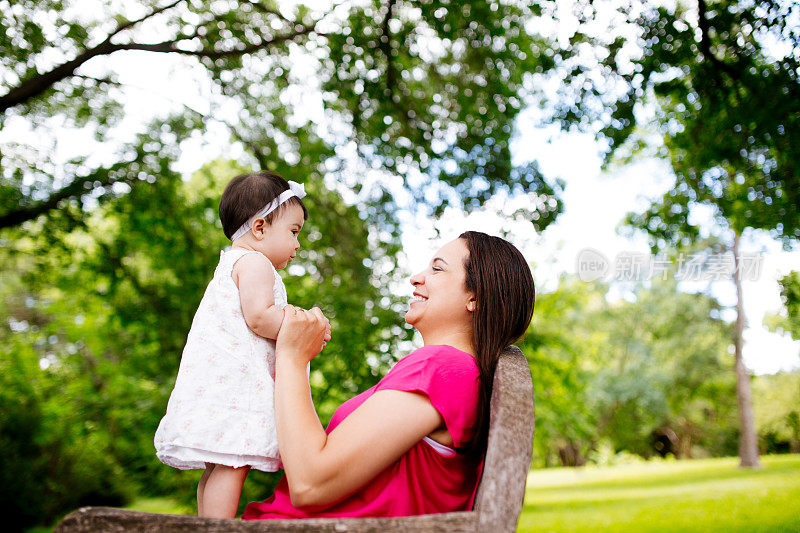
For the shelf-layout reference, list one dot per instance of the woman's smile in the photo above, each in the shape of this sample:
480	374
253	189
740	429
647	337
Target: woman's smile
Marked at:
417	298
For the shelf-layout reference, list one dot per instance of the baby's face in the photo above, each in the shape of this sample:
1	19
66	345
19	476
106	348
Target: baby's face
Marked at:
280	242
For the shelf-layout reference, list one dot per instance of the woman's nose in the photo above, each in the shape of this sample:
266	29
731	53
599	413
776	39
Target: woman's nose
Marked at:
417	279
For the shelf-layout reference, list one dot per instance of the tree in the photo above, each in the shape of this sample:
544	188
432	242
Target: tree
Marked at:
718	81
112	246
647	377
665	386
789	319
777	408
426	91
560	346
93	330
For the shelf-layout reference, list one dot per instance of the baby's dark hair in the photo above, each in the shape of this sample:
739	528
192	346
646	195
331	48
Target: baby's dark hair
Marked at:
247	194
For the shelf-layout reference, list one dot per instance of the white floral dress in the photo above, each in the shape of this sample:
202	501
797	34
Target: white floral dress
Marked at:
221	409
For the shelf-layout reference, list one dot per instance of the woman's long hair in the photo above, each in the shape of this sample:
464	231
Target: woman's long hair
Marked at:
500	278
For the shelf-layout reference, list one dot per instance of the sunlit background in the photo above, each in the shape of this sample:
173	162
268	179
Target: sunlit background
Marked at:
512	121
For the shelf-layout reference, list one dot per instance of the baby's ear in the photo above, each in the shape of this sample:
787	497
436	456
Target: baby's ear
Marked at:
258	226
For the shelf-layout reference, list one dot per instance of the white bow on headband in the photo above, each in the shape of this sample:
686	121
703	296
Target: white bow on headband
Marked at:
295	189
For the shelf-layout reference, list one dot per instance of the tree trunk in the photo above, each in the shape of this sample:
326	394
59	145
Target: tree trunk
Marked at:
570	455
794	424
748	442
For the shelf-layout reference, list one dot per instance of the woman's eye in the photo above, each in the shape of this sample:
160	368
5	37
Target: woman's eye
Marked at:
437	269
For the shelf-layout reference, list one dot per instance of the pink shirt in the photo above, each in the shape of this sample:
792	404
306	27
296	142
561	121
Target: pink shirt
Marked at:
423	480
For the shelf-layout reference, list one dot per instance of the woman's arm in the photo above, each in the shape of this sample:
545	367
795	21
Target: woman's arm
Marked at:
256	279
324	469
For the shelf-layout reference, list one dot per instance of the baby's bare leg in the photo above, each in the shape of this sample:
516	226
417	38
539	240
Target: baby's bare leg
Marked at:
201	486
222	490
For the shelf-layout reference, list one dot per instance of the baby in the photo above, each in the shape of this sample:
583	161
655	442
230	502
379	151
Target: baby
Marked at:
220	415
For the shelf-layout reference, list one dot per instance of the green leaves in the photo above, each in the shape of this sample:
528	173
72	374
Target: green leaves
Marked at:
433	88
426	92
720	87
789	320
621	374
777	412
374	107
109	304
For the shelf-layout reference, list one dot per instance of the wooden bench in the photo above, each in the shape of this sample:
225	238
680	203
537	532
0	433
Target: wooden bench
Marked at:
497	505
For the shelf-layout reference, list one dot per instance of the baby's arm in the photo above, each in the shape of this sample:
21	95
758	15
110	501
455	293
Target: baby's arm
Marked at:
255	279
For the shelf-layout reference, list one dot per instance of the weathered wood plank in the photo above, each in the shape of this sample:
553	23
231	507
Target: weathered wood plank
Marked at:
110	520
508	454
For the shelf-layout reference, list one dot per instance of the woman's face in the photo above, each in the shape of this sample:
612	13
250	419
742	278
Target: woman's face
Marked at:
440	298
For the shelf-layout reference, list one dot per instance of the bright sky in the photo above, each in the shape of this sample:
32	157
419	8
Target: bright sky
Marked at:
595	202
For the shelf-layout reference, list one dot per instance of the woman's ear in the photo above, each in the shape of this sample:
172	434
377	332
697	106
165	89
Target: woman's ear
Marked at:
472	304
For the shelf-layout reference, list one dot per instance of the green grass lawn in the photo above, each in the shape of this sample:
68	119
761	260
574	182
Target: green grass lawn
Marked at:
709	495
159	505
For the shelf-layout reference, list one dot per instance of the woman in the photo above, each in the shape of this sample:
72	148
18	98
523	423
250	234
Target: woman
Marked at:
413	444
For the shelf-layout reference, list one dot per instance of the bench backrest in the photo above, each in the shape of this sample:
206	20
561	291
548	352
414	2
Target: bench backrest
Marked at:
508	455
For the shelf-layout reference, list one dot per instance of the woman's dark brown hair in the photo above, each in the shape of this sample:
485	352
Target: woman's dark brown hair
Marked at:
246	194
500	278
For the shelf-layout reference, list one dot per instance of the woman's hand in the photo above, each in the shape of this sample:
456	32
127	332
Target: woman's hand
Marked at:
303	334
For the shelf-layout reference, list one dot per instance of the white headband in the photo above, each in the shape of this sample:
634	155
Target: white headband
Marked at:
295	189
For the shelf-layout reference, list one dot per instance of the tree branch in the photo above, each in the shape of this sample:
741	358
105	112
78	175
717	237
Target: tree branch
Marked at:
705	41
170	46
386	48
132	23
395	97
702	22
37	85
264	9
107	81
17	216
257	152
